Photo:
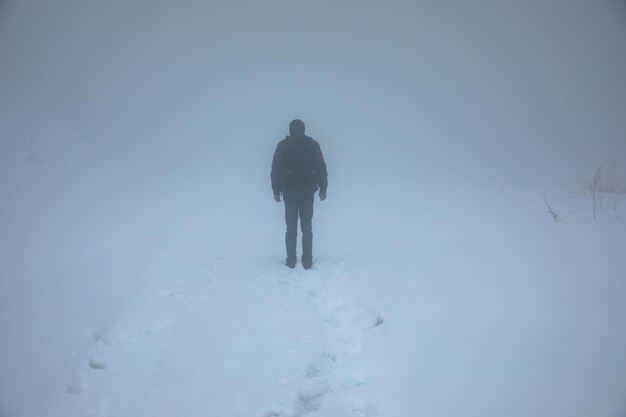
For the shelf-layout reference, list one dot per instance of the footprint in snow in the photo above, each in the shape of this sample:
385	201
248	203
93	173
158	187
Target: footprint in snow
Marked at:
322	365
360	407
311	399
79	383
97	362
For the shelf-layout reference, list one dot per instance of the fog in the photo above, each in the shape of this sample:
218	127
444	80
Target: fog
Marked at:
485	90
135	135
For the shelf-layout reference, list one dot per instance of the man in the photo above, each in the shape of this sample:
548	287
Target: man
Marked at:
298	170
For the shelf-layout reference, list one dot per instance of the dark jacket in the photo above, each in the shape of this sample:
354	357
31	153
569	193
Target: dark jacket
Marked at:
298	165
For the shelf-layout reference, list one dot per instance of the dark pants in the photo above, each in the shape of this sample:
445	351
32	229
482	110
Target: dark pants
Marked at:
299	204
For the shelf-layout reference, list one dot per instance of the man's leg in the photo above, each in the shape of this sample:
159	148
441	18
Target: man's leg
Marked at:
291	220
306	224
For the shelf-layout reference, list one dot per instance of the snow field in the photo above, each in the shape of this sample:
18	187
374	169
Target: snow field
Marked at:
504	312
436	301
292	339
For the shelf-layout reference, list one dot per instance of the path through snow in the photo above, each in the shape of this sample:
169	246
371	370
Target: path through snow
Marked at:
230	340
334	382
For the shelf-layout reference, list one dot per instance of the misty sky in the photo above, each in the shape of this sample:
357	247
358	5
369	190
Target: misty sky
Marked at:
495	88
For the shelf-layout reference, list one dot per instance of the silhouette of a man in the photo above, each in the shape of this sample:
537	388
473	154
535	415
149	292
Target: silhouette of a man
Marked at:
298	171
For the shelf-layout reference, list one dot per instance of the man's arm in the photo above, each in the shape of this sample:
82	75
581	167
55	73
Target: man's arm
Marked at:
276	174
322	179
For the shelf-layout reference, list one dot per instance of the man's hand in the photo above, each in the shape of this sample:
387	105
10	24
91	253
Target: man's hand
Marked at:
277	198
322	196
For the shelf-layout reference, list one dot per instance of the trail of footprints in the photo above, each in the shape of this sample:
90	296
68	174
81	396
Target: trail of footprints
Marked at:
139	332
336	373
331	377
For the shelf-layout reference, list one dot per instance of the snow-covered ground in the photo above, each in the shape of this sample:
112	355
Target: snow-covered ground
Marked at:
157	297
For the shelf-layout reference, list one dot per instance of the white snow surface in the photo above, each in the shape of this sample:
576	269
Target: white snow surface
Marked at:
161	298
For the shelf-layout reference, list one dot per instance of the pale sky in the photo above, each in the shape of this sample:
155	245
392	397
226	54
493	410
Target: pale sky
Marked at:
485	88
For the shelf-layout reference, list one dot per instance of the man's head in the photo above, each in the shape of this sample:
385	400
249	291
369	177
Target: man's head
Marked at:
296	127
